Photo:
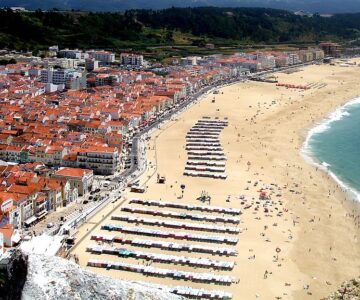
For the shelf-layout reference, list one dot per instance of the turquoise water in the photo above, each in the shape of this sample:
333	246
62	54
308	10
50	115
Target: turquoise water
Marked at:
335	146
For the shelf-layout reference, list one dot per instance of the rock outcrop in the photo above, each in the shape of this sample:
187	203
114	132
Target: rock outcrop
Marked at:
13	277
51	277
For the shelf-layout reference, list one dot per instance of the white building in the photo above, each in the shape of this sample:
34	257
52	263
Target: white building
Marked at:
72	79
266	61
293	58
103	160
131	59
68	53
190	60
104	56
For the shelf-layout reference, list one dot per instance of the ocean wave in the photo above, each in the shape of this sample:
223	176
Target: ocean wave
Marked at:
308	155
354	194
325	125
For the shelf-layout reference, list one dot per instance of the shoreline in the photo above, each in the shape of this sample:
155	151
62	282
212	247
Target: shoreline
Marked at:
318	128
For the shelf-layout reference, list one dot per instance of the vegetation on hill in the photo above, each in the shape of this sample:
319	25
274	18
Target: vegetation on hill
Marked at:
173	26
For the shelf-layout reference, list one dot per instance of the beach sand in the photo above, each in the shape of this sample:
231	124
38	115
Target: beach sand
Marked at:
316	231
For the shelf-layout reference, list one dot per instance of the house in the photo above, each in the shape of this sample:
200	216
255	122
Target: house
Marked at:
10	236
81	179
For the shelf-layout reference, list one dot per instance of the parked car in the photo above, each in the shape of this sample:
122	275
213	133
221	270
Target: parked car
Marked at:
50	225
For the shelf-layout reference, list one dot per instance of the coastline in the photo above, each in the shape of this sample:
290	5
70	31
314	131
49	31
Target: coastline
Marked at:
270	136
323	126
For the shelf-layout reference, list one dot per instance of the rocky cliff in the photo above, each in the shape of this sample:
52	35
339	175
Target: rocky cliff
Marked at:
13	277
52	277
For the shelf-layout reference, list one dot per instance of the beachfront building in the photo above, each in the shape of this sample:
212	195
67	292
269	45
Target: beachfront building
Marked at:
282	61
293	58
330	49
102	160
266	61
80	179
306	56
318	54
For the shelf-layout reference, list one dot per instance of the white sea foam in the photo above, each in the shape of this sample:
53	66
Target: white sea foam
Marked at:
308	155
325	164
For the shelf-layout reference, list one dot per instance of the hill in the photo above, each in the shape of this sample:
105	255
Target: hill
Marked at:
173	26
321	6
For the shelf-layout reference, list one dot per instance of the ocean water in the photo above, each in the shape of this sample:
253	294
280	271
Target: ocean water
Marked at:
334	146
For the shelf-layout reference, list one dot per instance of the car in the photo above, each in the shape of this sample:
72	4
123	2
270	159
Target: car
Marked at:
50	225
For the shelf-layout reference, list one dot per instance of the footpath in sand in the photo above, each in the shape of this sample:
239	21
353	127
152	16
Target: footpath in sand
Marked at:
306	243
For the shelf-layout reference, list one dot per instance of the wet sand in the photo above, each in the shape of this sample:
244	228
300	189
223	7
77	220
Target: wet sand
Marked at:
315	231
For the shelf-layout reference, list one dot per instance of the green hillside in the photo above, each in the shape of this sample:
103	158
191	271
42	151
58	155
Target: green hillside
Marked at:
174	26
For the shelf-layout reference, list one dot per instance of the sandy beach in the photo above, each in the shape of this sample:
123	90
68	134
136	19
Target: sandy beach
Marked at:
307	242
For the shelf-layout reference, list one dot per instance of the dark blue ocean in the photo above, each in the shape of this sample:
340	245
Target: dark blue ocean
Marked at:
334	144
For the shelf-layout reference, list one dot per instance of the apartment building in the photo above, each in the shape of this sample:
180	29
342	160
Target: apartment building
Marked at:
330	49
318	54
266	61
282	61
68	53
91	64
104	56
293	58
306	56
106	79
190	60
102	160
69	78
131	59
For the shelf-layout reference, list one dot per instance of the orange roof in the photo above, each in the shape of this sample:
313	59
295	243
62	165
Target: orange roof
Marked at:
7	230
72	172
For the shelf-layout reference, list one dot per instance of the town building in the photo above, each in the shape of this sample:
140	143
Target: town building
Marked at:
130	59
68	78
104	56
81	179
330	49
102	160
91	64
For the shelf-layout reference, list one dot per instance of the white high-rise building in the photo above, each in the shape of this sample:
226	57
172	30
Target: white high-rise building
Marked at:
131	59
104	56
